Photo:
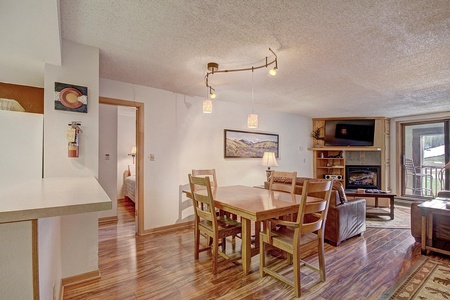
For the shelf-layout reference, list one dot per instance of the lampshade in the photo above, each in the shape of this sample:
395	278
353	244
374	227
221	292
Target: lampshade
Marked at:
207	106
269	160
447	165
252	121
133	150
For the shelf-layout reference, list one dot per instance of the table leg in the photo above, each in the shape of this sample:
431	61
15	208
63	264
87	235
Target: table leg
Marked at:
246	245
423	241
391	206
429	240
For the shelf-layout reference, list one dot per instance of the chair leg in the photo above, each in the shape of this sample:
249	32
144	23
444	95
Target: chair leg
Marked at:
224	245
262	257
321	260
196	242
215	255
296	267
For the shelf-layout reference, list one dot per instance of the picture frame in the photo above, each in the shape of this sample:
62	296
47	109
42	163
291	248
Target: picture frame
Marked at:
247	144
71	97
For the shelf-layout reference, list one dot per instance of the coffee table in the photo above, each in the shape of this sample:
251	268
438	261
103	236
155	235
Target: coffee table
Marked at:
375	210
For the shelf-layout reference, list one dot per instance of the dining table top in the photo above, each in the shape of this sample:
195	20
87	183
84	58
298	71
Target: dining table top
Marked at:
253	203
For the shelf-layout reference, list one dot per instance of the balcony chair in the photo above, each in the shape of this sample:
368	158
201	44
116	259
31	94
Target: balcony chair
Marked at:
418	177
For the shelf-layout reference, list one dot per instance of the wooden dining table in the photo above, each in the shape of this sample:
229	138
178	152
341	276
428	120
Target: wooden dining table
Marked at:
252	204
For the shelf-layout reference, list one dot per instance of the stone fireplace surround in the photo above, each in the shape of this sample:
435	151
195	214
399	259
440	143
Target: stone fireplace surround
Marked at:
368	162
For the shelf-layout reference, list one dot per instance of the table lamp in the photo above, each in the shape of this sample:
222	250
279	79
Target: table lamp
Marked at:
268	161
133	153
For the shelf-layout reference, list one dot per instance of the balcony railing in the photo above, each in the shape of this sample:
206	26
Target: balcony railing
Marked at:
428	185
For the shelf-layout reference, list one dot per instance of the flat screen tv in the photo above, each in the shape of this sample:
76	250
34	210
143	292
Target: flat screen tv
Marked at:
349	132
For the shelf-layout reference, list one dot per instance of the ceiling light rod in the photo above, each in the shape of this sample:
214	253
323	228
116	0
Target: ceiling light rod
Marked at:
214	68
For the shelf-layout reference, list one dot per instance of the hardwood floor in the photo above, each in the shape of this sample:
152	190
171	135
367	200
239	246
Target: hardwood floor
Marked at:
161	266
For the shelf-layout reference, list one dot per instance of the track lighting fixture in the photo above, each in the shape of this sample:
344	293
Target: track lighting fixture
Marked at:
213	68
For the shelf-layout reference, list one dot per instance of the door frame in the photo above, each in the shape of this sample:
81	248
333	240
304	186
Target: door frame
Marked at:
400	126
139	212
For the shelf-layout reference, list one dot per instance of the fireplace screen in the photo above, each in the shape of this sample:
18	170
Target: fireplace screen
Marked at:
362	177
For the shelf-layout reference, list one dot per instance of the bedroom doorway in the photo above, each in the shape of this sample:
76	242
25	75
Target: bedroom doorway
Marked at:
138	158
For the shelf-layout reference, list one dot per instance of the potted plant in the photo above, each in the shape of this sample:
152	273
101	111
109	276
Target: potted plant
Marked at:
315	134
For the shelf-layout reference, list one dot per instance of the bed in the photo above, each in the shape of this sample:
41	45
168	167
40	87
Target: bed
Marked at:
129	189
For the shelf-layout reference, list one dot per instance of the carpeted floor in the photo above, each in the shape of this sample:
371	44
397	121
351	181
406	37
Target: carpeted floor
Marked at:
402	219
428	279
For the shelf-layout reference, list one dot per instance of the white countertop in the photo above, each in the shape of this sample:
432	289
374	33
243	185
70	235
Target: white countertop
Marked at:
49	197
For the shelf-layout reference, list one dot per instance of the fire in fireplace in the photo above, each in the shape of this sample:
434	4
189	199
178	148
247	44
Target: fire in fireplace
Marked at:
362	177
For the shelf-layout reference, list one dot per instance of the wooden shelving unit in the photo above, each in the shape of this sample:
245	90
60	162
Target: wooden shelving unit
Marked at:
325	164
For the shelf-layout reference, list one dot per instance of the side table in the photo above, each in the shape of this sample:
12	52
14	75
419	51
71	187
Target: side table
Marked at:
436	206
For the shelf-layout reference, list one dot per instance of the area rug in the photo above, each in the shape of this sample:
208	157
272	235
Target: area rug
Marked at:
428	279
402	219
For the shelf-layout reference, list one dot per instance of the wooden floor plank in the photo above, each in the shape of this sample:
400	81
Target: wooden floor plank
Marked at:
162	266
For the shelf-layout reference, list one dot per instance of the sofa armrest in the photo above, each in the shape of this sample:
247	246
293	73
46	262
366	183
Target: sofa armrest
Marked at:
345	221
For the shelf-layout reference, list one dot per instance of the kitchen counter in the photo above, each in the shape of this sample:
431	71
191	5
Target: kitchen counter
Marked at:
49	197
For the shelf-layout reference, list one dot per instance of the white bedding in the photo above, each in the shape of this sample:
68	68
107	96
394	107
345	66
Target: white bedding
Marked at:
130	187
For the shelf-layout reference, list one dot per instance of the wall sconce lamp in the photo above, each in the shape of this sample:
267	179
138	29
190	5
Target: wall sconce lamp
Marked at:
269	160
133	153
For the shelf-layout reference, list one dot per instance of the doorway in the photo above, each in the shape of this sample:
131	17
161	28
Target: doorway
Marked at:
424	154
139	158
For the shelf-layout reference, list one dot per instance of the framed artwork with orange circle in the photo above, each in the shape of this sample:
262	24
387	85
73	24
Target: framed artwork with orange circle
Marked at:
71	97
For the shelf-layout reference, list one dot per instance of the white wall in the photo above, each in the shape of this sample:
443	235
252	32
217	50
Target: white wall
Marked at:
16	254
182	138
78	245
107	169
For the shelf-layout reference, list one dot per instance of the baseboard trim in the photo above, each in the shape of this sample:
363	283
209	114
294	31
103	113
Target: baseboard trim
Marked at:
108	220
168	228
80	278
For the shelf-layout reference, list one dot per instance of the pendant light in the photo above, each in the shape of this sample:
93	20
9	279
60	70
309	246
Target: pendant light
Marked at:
207	104
252	119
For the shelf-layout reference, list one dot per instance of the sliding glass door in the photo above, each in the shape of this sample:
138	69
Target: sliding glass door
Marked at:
425	153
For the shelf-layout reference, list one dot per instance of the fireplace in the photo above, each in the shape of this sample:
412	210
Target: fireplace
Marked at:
362	177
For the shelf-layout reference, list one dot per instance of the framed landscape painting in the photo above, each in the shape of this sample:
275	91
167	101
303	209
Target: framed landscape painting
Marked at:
239	144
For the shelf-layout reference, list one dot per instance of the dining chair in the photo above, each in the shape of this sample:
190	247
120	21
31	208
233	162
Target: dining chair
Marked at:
279	181
284	182
218	227
211	173
300	238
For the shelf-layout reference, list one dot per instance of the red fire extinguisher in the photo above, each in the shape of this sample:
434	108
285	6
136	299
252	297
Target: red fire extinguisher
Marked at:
72	137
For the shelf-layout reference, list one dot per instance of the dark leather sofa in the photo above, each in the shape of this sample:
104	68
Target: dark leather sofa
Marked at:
346	218
441	232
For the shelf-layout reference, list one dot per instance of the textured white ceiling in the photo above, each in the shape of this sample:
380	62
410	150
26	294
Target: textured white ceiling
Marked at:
335	58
